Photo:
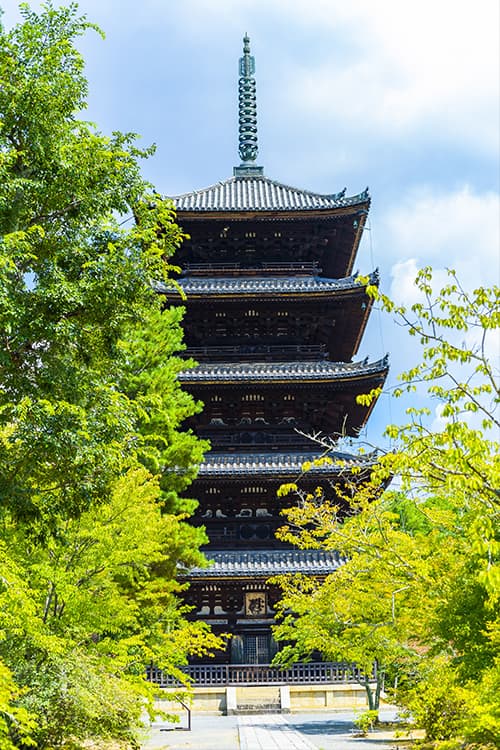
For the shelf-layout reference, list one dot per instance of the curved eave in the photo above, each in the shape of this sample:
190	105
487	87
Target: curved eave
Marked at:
364	320
304	373
263	564
266	287
280	466
274	214
377	377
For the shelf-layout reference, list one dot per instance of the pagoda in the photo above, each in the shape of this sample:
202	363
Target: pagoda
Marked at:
274	317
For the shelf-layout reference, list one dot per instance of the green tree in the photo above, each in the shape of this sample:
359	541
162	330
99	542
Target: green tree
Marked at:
16	606
74	281
149	379
421	580
359	614
92	455
102	604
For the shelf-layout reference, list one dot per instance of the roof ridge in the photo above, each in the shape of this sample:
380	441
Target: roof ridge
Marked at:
306	455
292	551
332	196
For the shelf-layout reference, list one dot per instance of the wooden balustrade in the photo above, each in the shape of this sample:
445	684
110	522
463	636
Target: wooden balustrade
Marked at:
259	440
304	351
294	267
260	674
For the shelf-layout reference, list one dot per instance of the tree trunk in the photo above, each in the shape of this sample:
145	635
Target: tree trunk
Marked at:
373	695
369	694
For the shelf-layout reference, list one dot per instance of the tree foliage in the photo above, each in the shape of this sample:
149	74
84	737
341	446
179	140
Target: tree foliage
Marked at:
418	593
92	452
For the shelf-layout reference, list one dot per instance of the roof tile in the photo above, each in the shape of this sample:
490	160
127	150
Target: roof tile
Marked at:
264	563
279	464
259	193
277	371
201	285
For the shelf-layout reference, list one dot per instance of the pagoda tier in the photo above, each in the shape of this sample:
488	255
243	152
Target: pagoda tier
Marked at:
328	237
257	403
270	287
233	593
279	467
264	373
257	195
303	316
264	564
238	492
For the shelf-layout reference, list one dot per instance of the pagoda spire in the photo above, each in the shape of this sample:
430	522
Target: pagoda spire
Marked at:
247	110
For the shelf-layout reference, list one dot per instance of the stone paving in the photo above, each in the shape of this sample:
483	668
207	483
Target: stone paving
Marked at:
267	732
207	733
271	732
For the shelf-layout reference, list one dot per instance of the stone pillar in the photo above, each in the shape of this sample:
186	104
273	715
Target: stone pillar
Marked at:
285	699
231	702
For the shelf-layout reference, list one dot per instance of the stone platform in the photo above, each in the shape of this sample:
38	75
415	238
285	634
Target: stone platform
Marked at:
266	698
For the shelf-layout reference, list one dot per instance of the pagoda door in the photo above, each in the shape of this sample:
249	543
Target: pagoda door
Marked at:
256	648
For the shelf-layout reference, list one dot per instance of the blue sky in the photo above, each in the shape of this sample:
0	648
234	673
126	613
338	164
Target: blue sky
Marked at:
403	97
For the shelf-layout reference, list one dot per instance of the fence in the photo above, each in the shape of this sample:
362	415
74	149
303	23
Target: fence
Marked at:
261	674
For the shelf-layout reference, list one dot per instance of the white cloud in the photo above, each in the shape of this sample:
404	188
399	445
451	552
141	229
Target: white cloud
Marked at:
459	229
403	288
389	66
439	422
426	64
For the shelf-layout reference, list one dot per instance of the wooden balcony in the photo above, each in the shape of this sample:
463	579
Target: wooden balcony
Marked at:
299	268
261	674
254	441
259	352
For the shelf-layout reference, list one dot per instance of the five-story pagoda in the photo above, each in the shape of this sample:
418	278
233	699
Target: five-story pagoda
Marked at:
274	316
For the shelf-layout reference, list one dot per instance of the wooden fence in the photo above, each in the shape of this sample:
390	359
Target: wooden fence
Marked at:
261	674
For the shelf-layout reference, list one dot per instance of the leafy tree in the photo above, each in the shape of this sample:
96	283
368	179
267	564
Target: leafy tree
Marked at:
149	379
360	613
16	606
419	589
102	604
92	454
73	280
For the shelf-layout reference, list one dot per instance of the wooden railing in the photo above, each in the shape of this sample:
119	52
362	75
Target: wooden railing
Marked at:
294	267
259	351
259	440
260	674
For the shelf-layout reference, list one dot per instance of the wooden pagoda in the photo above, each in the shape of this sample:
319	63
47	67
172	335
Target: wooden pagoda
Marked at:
274	317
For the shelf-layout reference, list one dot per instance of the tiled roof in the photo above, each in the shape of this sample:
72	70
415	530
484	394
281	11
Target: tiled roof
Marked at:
264	284
258	193
279	464
278	371
266	563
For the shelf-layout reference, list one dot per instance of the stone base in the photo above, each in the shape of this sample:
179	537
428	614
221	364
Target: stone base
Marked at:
336	697
268	699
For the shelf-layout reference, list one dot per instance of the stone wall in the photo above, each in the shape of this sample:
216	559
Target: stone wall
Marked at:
288	698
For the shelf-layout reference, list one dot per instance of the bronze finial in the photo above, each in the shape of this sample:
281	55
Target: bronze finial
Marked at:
247	100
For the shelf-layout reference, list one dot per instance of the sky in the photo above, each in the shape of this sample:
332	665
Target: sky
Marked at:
400	96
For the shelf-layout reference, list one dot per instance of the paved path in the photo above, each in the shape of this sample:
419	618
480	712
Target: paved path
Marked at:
270	732
266	732
207	733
